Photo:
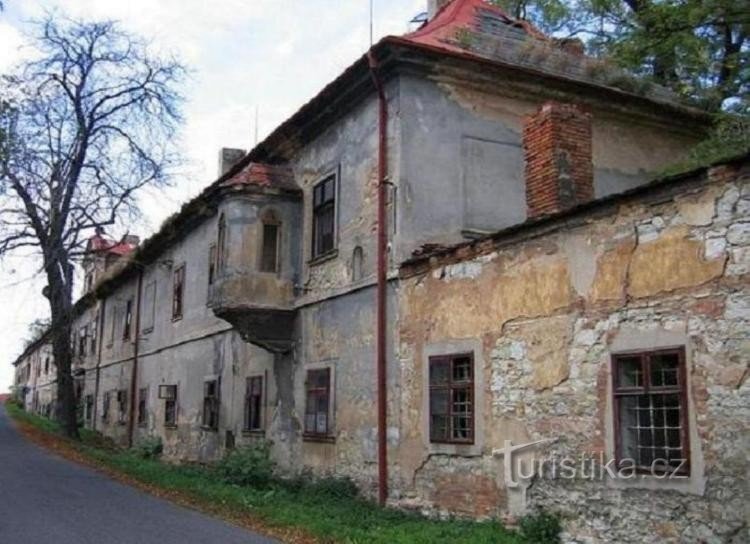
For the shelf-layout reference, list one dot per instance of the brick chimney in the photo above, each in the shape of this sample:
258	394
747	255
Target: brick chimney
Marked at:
557	150
433	6
228	157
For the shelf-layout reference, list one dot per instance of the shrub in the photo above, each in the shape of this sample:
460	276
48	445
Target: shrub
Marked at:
249	465
541	528
334	486
150	447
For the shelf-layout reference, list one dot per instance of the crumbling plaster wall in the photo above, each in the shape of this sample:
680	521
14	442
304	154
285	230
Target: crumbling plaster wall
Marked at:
546	313
462	165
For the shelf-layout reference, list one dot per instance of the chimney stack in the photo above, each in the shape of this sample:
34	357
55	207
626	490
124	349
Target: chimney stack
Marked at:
228	157
433	6
557	150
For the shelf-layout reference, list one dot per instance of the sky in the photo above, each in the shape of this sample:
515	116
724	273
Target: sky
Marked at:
273	55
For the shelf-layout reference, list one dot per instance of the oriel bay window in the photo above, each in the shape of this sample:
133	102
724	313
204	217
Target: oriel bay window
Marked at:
650	410
324	216
254	404
451	385
211	404
317	404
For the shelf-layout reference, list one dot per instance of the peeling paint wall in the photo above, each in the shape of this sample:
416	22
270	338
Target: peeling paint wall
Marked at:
546	312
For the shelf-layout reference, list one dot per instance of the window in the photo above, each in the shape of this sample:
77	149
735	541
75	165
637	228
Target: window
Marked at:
221	241
82	341
149	307
128	321
317	407
269	258
169	394
89	281
324	216
105	406
452	399
178	286
89	408
651	430
357	263
46	365
211	404
254	404
122	406
94	326
211	264
115	316
142	404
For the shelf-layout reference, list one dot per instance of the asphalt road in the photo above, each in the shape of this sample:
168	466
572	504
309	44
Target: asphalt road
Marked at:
47	499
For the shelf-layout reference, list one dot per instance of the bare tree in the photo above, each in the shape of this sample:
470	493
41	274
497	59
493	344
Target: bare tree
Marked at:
82	128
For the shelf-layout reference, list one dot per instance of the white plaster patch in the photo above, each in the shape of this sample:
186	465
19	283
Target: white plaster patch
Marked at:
739	234
715	248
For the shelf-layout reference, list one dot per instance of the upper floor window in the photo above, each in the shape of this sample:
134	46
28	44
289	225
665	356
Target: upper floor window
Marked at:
128	321
269	256
94	327
317	405
82	341
149	307
452	399
324	216
211	264
221	241
650	410
178	288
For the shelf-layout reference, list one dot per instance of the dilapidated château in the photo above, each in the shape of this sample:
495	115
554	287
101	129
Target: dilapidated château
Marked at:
460	245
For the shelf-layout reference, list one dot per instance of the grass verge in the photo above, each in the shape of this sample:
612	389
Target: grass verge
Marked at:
290	515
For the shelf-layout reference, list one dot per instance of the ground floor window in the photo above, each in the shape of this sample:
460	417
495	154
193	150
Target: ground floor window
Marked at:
650	410
254	404
211	404
317	405
169	394
89	409
142	405
122	406
106	401
451	383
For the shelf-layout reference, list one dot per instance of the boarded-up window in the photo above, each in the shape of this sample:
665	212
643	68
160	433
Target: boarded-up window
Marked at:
178	288
254	404
452	398
324	216
317	405
650	410
211	402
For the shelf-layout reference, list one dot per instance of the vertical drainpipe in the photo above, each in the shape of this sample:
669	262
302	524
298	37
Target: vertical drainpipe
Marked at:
134	374
382	264
102	313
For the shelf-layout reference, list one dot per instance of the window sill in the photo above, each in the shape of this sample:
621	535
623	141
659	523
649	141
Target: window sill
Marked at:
209	429
254	432
176	319
170	426
325	257
323	438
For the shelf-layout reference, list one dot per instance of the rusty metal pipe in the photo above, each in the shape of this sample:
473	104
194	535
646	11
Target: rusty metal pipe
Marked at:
382	264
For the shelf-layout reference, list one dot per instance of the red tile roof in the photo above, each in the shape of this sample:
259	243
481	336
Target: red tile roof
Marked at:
263	175
100	244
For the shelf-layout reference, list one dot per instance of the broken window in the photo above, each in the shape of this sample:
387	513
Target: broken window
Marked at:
169	394
122	406
128	321
317	406
178	287
82	341
452	398
142	405
106	401
650	410
269	258
211	404
254	404
324	216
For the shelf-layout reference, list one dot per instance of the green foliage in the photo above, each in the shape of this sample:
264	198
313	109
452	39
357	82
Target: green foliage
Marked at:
150	447
698	48
248	465
541	528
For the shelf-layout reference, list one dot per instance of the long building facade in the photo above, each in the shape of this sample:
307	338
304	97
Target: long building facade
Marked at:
541	288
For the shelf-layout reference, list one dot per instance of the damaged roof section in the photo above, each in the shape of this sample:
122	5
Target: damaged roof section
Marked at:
263	175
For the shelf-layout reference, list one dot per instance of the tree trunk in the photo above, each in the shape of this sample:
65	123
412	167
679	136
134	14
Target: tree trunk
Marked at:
60	299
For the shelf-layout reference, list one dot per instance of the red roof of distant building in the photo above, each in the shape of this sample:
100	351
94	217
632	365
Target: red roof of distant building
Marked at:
100	244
